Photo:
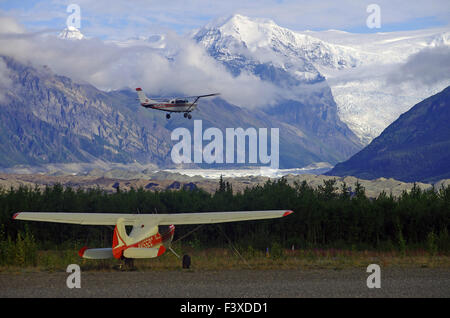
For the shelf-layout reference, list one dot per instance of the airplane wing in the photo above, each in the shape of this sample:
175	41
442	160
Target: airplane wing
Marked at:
219	217
154	219
200	96
76	218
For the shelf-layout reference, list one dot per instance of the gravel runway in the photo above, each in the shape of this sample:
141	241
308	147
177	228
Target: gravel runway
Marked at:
395	282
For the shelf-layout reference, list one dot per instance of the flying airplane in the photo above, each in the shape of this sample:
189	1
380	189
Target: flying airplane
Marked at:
145	239
174	105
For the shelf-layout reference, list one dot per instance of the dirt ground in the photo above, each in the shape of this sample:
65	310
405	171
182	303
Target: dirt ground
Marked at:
395	282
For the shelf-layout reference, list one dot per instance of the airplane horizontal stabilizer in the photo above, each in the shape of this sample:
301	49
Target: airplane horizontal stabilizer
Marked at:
148	252
95	253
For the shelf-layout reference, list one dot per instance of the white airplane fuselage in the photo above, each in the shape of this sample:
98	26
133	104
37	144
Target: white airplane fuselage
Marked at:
171	106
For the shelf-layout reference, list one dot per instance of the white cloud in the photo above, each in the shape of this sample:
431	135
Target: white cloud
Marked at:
427	67
189	71
10	25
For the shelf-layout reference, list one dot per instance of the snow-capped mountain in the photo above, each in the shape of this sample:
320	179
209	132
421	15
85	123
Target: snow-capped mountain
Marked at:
71	33
391	46
242	43
291	62
367	99
357	67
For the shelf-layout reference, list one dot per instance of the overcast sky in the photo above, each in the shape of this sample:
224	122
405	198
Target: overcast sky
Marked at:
124	19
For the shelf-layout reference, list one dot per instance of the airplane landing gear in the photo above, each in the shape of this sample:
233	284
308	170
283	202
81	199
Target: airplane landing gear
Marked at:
186	115
127	265
168	116
186	261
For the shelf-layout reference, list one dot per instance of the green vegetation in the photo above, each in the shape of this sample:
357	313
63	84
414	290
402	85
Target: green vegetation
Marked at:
326	218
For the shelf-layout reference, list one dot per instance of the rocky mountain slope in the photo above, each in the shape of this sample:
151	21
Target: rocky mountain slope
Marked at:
48	118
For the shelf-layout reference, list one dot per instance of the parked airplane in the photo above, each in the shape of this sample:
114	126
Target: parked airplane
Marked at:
145	239
174	105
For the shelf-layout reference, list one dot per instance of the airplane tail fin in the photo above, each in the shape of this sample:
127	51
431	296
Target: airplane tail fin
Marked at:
120	239
143	99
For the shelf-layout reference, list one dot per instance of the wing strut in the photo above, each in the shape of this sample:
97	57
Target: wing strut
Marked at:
232	247
198	97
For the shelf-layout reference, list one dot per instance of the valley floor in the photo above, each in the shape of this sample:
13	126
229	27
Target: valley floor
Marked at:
109	181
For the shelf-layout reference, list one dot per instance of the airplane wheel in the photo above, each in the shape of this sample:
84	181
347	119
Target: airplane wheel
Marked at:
126	265
185	115
186	261
168	116
189	116
129	264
